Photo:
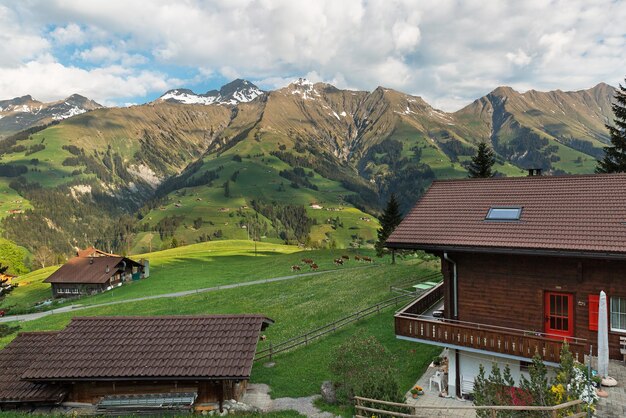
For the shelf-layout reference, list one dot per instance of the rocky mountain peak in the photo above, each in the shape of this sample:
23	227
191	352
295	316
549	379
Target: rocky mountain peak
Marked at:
233	93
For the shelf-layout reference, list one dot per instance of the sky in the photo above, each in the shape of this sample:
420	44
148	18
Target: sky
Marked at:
121	52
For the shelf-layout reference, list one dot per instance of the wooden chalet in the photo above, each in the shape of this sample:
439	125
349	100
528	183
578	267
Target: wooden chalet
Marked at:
524	261
93	271
131	363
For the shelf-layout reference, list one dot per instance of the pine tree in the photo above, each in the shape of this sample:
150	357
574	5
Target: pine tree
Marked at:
482	162
390	219
614	160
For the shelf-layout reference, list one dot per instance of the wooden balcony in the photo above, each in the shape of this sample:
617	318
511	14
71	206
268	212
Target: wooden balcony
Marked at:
410	322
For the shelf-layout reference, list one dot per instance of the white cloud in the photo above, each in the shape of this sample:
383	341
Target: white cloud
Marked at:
519	58
49	81
107	55
448	52
69	34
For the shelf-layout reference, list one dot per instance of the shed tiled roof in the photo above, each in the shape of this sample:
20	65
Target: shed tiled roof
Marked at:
16	357
585	213
167	347
87	270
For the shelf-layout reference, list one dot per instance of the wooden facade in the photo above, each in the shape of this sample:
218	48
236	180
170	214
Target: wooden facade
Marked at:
65	290
209	391
506	294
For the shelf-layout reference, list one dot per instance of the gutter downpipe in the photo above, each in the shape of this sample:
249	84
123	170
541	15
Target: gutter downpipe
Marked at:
455	302
455	315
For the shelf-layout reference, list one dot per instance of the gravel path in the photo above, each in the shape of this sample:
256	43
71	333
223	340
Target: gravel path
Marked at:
72	308
257	395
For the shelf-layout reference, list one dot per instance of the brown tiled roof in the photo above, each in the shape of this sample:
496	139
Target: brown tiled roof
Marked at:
167	347
16	357
585	213
87	270
91	251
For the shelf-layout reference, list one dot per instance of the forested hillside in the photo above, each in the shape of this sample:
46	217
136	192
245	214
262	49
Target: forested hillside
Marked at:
308	164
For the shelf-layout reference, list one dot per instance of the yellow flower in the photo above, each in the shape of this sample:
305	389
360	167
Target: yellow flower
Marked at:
558	391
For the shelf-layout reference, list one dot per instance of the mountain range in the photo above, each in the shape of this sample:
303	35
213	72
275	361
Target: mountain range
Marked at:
24	112
306	163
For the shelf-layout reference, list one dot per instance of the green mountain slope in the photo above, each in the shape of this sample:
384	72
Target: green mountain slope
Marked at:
308	164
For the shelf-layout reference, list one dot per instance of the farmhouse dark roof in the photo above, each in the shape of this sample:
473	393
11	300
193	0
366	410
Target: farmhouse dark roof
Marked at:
583	214
16	357
91	251
88	269
166	347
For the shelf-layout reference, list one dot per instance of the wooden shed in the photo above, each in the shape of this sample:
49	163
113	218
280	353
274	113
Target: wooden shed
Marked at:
107	360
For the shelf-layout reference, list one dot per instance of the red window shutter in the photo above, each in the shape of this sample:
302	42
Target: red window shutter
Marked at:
593	303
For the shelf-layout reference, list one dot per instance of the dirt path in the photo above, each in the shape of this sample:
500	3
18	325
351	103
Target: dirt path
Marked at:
257	395
72	308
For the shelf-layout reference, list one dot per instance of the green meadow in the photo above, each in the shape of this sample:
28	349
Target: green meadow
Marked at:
297	305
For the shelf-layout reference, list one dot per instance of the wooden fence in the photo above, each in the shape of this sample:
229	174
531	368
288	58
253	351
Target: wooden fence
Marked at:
366	408
305	339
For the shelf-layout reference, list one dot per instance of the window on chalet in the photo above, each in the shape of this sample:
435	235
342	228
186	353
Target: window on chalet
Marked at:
618	314
504	214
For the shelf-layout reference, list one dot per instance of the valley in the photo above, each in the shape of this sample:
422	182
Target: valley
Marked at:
307	164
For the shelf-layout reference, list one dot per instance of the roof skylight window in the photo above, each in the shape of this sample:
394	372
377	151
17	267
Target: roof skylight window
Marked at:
504	214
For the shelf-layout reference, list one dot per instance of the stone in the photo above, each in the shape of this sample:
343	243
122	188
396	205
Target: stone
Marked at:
329	394
609	382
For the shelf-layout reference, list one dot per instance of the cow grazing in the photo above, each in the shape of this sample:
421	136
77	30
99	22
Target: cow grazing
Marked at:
307	261
314	266
345	257
338	261
368	259
295	268
357	258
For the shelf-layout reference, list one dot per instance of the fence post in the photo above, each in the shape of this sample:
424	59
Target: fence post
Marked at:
554	414
494	413
306	339
271	351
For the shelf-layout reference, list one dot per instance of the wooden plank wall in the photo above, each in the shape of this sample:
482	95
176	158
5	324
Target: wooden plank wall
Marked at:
508	290
208	391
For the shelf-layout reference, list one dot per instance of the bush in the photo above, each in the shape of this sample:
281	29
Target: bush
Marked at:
363	366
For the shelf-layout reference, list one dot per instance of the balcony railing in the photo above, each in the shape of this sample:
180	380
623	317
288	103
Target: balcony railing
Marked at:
410	322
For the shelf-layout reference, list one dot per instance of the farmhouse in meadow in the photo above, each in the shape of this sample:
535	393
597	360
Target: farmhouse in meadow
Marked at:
93	271
129	364
524	261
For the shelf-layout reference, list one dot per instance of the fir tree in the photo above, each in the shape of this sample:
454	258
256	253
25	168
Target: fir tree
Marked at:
482	162
614	160
390	219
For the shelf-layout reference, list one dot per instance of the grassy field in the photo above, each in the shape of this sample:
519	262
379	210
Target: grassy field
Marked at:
296	306
187	268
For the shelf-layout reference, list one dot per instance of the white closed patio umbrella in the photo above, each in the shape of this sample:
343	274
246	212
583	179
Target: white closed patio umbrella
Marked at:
603	338
603	343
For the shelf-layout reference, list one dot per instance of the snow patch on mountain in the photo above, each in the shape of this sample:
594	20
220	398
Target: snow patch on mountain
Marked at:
233	93
183	97
304	88
72	111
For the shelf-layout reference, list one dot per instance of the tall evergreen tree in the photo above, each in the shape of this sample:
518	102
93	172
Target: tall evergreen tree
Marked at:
390	219
614	160
482	162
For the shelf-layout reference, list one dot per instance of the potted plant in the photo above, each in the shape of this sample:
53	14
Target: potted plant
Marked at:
416	391
437	361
